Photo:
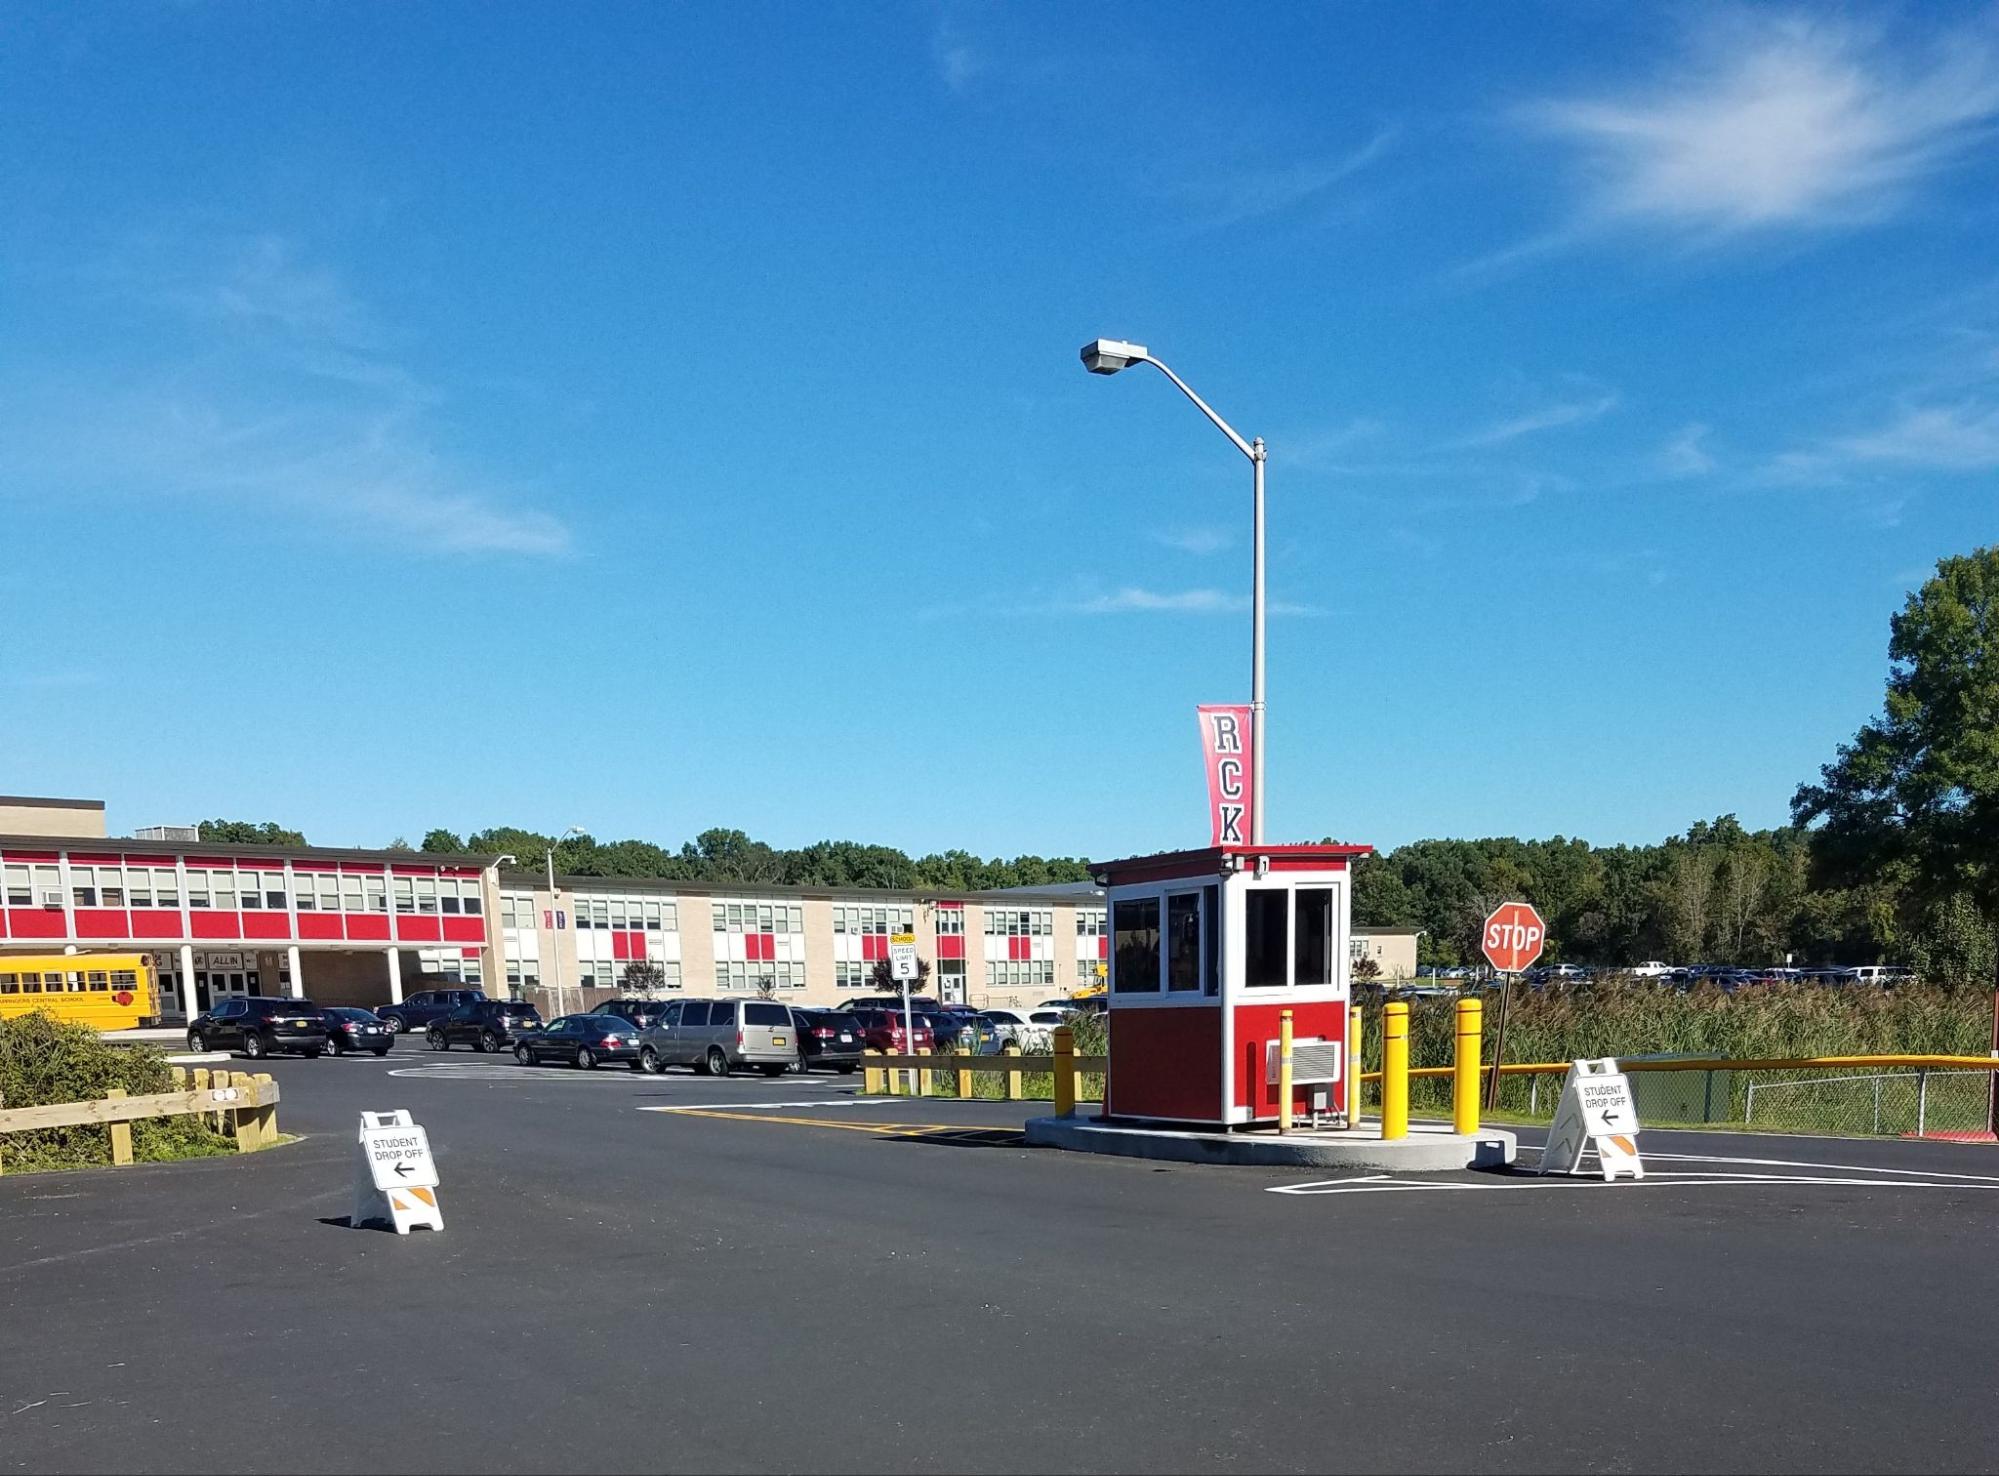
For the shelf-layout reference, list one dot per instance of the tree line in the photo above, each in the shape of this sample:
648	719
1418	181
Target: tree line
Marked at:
1892	853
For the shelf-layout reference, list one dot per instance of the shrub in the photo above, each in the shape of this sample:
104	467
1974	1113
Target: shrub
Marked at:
44	1060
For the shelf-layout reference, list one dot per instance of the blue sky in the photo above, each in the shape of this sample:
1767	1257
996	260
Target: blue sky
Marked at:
652	417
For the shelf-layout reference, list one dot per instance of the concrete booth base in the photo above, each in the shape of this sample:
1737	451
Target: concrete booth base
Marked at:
1429	1148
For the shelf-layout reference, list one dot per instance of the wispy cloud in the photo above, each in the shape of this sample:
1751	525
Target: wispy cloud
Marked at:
1137	600
1962	437
1199	541
290	396
1229	197
1553	416
1686	454
1768	122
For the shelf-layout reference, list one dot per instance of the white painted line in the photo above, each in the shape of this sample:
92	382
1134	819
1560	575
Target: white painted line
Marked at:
774	1106
1853	1168
1667	1179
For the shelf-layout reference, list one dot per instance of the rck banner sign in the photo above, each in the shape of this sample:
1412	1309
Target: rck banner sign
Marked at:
1225	745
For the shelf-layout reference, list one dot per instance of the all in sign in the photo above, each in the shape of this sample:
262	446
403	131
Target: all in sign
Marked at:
1596	1111
1513	937
396	1180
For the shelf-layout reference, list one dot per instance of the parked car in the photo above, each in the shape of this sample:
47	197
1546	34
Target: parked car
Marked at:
889	1002
422	1009
356	1030
963	1032
715	1036
484	1024
259	1026
1028	1029
827	1038
881	1030
581	1040
640	1012
1652	968
1878	974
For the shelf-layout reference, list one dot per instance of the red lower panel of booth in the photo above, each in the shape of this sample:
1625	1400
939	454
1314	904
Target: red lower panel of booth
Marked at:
1169	1062
1256	1026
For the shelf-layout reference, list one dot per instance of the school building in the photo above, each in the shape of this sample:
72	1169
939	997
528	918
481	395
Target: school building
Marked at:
366	927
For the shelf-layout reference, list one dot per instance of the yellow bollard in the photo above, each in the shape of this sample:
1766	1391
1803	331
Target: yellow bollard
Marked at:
1395	1070
1356	1032
871	1082
1284	1071
1464	1074
1065	1071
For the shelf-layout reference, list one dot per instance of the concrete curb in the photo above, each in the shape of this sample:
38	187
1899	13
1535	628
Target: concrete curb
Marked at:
1423	1151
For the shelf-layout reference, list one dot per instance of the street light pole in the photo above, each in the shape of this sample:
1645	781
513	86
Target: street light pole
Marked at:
1108	356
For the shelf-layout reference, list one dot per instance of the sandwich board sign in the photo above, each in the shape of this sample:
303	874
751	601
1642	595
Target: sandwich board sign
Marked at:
396	1179
902	958
1596	1112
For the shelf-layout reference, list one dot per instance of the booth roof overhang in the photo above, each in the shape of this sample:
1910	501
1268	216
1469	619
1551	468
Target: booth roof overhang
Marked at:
1224	860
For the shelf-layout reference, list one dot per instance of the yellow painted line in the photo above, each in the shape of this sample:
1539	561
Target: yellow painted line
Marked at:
827	1122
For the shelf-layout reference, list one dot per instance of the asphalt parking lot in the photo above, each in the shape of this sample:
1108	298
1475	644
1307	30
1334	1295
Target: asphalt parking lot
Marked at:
673	1273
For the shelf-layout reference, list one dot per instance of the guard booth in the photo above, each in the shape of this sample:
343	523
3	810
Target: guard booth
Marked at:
1207	949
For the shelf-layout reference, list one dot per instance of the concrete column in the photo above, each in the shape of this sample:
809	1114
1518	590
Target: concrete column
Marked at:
298	974
187	981
395	976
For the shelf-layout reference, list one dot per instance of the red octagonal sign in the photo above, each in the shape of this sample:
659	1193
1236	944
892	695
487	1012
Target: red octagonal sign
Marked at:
1513	937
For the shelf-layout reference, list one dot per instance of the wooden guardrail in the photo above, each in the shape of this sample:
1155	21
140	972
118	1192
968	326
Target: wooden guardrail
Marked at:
882	1070
239	1102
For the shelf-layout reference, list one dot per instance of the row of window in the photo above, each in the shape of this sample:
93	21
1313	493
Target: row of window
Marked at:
1020	973
737	977
87	981
231	889
628	914
757	917
1037	922
1090	922
950	922
877	920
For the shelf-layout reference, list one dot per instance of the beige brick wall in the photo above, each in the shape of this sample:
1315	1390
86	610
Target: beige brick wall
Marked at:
821	988
85	820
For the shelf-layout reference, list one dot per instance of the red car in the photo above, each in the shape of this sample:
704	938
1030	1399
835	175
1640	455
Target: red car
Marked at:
881	1030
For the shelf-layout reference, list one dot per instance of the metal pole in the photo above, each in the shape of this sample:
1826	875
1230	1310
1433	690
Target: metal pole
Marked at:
909	1034
1922	1101
1256	708
1499	1043
1284	1071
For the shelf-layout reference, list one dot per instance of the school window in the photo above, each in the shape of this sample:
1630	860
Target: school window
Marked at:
426	894
447	895
350	892
756	917
224	886
1090	922
405	894
600	912
878	921
950	922
110	886
166	887
139	887
274	890
48	886
19	892
851	975
1038	922
303	897
253	886
378	893
736	977
82	888
469	897
1022	973
197	889
327	887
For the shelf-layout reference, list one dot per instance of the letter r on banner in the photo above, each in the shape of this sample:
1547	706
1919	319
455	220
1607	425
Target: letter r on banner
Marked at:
1225	737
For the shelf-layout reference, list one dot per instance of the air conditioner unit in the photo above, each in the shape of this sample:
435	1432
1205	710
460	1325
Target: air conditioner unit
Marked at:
52	899
168	833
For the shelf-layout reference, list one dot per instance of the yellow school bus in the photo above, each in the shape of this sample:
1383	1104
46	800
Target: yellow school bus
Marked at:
106	991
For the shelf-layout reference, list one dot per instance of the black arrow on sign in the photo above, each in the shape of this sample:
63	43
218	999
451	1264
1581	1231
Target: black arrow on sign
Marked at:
402	1169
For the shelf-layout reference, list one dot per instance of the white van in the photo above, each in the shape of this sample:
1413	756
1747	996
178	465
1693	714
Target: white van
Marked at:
1651	969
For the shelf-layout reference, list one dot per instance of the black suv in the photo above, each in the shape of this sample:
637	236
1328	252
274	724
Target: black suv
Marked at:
257	1026
639	1012
485	1025
426	1006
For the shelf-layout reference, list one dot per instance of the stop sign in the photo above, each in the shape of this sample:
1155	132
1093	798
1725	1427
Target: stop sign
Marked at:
1513	937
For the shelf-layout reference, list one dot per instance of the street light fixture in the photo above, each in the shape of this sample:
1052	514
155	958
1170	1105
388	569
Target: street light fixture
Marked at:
1112	355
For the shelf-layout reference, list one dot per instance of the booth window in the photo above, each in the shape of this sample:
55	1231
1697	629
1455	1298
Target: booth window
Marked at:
1183	941
1136	944
1266	914
1312	951
1211	931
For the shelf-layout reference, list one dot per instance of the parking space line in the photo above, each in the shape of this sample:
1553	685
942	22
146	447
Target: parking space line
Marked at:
892	1129
770	1106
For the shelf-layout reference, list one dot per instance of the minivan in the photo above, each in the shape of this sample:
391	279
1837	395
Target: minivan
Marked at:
715	1036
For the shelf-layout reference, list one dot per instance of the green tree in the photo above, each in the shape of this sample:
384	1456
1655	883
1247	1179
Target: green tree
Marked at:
643	976
1915	795
442	842
249	833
